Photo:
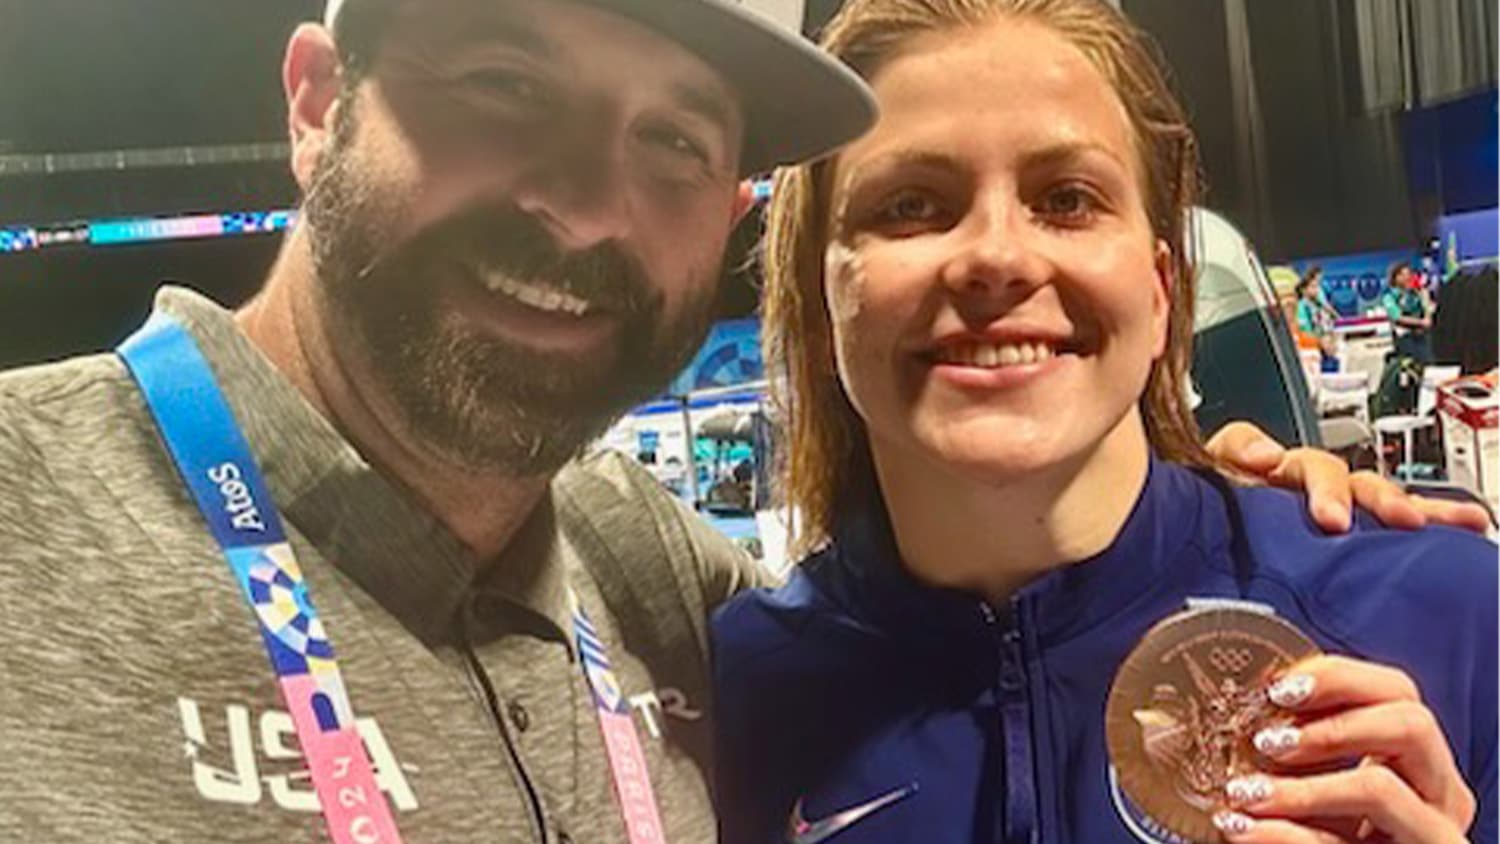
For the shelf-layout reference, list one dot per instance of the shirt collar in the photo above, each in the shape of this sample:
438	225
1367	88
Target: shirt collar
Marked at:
370	528
1177	520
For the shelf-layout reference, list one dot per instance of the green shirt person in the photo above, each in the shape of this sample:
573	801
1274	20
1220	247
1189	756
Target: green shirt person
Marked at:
1314	315
1410	309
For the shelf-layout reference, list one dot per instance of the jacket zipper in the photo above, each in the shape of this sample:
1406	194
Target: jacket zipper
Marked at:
1015	725
480	680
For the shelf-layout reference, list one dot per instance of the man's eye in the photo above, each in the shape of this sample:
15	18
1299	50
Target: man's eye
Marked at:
515	88
671	141
672	155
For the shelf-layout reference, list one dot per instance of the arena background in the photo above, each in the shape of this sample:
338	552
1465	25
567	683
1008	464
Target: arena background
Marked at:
1297	104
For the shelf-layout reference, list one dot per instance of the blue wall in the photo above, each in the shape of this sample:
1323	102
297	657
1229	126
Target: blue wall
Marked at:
1453	153
1478	233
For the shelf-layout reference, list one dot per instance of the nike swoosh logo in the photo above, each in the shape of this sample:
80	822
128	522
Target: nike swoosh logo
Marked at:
801	831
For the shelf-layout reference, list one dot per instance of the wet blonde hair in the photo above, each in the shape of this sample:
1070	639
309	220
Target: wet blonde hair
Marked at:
825	460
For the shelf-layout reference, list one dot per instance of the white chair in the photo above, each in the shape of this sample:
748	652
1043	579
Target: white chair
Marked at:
1343	394
1392	425
1312	367
1366	357
1432	377
1343	433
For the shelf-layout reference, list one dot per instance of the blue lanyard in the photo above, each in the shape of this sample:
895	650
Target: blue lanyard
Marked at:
216	464
200	432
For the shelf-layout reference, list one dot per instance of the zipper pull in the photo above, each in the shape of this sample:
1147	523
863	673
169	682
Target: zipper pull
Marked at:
1013	630
987	612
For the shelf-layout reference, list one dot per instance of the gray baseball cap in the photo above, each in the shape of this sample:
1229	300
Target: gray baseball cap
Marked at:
799	102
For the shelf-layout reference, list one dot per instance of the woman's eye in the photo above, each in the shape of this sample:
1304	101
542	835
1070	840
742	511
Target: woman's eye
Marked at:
1069	204
911	207
907	212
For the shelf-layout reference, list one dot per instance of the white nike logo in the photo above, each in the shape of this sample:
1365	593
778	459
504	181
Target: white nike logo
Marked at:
800	831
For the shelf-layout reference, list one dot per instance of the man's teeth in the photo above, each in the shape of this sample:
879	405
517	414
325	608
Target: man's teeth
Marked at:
994	355
536	296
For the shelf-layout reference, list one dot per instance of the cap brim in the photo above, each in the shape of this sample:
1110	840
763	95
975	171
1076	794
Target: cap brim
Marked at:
799	102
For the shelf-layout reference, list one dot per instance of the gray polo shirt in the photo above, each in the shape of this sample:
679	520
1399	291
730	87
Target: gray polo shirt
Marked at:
136	701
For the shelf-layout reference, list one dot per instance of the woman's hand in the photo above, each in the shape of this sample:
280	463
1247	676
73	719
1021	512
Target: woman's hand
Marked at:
1407	788
1331	488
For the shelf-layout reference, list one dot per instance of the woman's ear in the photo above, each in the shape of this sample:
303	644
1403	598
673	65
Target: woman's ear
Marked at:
1164	290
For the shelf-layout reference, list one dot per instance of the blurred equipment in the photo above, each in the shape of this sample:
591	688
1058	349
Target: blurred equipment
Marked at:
1245	363
1469	410
1468	319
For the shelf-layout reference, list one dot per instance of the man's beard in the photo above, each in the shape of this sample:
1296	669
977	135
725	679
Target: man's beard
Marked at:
473	399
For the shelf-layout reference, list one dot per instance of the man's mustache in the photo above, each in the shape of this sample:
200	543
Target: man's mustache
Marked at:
512	242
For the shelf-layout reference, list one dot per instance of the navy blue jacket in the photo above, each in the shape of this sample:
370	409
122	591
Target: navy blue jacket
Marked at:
854	682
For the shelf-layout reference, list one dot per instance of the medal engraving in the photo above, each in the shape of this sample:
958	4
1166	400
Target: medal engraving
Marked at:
1185	705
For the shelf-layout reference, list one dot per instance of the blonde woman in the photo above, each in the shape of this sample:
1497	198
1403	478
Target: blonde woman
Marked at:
980	315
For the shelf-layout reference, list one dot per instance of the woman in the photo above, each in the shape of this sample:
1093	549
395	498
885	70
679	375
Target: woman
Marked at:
1314	317
980	317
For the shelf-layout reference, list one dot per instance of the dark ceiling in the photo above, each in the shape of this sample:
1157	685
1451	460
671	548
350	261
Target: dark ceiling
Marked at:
97	75
101	75
90	75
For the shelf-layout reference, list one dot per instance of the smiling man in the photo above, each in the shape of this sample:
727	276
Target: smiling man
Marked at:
515	218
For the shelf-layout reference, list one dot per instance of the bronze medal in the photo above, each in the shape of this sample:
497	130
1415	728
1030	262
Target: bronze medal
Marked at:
1186	704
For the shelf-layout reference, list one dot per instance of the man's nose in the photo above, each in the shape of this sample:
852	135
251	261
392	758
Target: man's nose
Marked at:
578	189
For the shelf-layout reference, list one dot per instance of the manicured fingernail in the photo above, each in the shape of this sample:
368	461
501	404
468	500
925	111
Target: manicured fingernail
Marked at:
1277	741
1247	791
1233	823
1291	691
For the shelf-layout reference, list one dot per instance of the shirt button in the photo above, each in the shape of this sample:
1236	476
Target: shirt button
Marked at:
519	716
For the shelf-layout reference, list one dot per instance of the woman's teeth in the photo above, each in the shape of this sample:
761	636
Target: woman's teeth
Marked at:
995	355
535	296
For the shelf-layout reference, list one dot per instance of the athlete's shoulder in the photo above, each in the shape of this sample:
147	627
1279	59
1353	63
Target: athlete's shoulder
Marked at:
1373	575
763	623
